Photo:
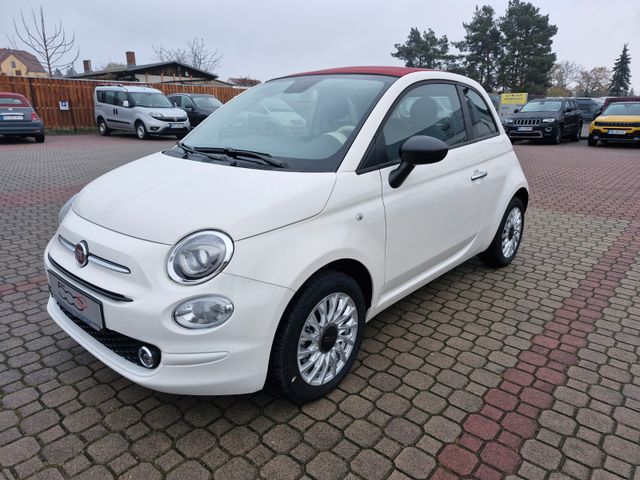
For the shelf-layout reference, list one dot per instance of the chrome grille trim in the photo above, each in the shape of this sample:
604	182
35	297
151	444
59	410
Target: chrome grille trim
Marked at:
526	122
103	262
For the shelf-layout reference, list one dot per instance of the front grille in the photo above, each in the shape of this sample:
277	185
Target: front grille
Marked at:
526	122
617	124
173	119
118	343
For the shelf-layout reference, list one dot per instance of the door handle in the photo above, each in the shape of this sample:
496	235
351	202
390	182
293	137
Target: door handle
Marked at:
477	175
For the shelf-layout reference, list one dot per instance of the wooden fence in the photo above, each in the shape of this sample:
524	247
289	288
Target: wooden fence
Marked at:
46	93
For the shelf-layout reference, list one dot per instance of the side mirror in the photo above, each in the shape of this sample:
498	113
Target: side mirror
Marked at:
417	150
516	110
174	104
598	113
125	103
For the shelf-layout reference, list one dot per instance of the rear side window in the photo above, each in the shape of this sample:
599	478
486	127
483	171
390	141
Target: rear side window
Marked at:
482	122
107	96
432	109
13	102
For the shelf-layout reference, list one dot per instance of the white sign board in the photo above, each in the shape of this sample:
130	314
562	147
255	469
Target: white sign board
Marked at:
64	104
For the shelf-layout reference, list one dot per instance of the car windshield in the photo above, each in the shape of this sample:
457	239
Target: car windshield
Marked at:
151	100
623	109
307	121
206	101
542	106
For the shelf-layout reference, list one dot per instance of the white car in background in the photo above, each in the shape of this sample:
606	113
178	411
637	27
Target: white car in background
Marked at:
241	255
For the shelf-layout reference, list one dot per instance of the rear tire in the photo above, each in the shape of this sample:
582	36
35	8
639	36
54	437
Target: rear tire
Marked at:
576	137
334	341
507	239
102	127
39	138
141	131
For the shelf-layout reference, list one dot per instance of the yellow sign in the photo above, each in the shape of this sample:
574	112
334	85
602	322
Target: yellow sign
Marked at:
513	98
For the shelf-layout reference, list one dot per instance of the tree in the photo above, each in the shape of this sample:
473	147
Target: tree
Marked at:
482	47
594	82
424	50
196	55
54	50
565	73
527	38
112	66
621	74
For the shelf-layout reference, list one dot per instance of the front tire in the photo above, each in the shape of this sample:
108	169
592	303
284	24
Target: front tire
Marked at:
557	137
507	240
318	338
592	142
141	131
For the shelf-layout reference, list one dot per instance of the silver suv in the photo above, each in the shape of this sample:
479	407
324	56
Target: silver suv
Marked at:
143	110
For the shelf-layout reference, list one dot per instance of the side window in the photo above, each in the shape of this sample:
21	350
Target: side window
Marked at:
120	98
433	110
109	97
186	102
175	99
100	96
482	122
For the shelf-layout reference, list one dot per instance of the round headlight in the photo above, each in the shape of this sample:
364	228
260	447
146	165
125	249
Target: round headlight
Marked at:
199	257
65	208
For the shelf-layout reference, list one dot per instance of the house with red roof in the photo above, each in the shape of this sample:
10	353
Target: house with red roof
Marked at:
20	63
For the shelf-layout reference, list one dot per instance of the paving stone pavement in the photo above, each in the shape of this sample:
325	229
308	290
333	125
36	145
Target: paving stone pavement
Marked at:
527	372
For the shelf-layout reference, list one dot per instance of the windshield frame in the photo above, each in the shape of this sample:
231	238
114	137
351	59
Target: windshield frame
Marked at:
333	162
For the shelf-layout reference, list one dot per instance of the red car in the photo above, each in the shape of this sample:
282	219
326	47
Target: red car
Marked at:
18	118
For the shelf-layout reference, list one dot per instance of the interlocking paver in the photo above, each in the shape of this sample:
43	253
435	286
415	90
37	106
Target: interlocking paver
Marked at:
531	370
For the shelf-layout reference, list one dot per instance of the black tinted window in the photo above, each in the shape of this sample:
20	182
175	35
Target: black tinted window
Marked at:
433	110
482	121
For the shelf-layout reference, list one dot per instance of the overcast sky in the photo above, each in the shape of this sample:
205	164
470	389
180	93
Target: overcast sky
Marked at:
265	39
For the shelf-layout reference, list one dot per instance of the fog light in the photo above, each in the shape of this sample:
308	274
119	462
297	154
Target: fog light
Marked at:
146	357
203	312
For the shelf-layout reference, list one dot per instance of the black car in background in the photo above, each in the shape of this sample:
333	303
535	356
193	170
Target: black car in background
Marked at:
589	107
550	119
18	118
198	106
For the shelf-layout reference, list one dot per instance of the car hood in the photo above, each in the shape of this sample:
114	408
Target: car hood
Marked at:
163	198
520	115
173	112
619	118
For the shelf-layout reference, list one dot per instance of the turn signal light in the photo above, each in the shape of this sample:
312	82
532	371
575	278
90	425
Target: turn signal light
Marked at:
34	117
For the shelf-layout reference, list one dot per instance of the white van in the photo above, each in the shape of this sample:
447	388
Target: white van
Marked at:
143	110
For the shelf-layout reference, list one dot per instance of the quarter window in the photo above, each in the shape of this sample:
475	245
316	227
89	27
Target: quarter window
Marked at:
433	110
482	121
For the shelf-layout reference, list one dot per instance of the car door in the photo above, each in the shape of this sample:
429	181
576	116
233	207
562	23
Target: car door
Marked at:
110	110
570	118
435	215
124	114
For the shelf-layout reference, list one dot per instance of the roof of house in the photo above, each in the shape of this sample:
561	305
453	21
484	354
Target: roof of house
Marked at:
389	71
148	67
31	62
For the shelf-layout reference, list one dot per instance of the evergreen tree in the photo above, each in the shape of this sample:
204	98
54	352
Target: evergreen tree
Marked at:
482	47
527	38
621	74
424	50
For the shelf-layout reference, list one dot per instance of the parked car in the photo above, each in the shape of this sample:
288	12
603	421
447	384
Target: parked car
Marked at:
549	119
142	110
609	100
589	107
619	122
18	118
236	257
197	106
272	116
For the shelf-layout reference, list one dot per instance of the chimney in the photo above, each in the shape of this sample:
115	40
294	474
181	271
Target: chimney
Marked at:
131	59
87	66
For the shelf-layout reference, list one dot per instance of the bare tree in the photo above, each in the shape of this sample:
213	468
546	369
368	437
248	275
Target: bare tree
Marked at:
53	49
196	55
594	82
565	73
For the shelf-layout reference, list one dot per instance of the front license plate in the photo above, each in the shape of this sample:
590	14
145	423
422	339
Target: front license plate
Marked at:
175	125
617	132
76	302
13	117
525	129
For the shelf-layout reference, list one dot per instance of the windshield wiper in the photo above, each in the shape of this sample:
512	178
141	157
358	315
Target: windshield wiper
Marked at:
246	155
194	151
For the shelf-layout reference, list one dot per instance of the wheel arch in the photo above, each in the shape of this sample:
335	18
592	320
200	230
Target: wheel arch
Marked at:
523	195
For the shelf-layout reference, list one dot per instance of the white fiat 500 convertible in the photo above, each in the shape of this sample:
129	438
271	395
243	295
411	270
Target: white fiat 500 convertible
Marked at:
256	249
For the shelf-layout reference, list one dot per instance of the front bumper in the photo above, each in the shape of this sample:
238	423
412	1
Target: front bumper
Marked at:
230	359
160	127
545	131
632	135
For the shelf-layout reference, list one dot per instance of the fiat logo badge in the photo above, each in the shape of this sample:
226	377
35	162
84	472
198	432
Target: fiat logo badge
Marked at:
81	253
